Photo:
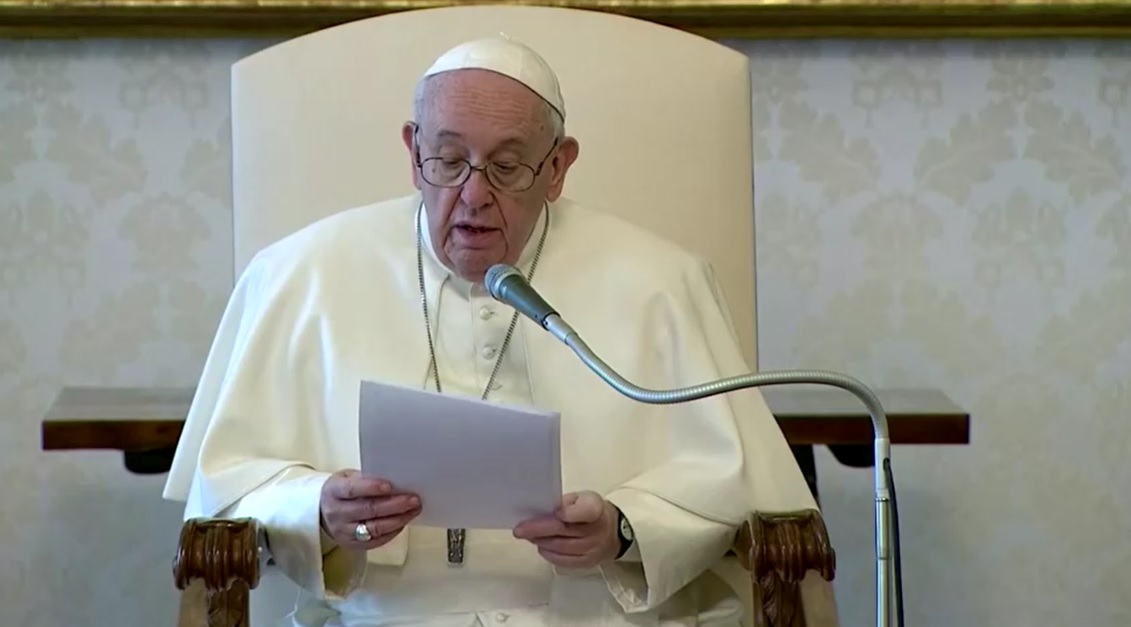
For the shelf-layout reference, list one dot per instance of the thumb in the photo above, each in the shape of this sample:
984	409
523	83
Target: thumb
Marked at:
567	500
585	507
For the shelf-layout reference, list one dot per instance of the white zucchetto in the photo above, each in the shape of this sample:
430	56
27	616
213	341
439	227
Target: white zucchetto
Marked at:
509	58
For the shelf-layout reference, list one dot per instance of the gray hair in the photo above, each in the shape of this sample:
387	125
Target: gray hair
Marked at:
419	101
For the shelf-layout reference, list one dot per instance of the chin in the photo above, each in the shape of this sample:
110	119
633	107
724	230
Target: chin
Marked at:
474	267
472	272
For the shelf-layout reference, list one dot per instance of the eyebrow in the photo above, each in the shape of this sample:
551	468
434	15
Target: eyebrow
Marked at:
509	143
446	134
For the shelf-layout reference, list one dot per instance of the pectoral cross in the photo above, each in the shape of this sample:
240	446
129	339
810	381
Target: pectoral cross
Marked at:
456	537
455	545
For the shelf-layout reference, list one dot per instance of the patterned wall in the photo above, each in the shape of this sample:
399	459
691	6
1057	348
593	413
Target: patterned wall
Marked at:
948	214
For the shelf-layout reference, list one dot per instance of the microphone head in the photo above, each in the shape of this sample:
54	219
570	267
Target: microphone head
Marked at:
496	274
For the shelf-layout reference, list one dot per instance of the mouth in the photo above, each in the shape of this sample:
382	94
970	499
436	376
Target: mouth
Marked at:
474	229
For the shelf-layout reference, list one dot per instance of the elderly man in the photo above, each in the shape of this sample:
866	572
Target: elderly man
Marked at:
394	292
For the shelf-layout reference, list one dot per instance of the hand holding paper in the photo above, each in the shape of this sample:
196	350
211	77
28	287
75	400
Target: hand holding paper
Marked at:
581	534
349	496
474	464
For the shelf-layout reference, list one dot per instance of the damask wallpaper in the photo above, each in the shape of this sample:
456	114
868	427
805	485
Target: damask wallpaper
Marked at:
945	214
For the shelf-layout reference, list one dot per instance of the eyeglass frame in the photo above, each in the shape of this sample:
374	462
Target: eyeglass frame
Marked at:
472	168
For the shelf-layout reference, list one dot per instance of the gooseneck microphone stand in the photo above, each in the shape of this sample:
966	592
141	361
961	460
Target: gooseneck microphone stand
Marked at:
508	286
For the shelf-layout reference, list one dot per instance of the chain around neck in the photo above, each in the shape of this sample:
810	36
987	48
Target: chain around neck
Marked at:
433	364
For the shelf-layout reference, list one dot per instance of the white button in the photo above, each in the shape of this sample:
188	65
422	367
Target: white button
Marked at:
502	617
485	313
488	352
496	385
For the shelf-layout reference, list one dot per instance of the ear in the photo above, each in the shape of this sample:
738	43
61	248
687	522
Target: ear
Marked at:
567	152
408	136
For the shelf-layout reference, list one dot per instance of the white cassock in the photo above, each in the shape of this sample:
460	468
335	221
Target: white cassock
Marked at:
276	412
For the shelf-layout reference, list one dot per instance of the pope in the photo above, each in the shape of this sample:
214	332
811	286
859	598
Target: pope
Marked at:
393	292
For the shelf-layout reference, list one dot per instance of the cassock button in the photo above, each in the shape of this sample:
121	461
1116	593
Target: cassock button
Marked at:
488	352
485	313
502	617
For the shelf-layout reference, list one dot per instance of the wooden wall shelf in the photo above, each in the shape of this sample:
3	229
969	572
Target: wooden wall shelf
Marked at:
144	424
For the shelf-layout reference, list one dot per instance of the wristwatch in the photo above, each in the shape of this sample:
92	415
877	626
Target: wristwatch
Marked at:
624	532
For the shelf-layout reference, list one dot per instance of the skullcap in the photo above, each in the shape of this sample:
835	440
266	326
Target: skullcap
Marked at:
508	57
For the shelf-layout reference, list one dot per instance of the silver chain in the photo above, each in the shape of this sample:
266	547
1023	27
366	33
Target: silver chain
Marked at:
456	537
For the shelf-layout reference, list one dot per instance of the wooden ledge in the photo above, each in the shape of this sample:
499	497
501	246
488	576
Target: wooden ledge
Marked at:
146	423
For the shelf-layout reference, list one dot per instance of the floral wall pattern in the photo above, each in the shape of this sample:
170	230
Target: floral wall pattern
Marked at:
942	214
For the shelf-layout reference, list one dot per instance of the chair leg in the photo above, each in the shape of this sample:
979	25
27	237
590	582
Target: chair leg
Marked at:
818	599
193	610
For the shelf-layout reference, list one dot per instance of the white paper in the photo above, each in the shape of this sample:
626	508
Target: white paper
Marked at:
474	464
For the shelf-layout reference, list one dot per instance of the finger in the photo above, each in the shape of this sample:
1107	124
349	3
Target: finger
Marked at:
358	486
544	527
376	542
566	546
392	524
370	508
552	528
381	530
566	561
383	540
582	510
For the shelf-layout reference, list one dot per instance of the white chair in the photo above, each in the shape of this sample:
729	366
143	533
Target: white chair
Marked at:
663	119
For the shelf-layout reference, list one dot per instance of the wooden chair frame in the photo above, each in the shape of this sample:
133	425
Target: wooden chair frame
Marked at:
219	562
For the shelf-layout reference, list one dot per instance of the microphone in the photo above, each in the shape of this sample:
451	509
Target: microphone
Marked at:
507	285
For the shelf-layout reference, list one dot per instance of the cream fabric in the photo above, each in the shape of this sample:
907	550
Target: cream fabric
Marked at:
337	303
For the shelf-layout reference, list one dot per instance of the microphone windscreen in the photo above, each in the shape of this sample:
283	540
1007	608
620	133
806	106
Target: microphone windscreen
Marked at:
495	276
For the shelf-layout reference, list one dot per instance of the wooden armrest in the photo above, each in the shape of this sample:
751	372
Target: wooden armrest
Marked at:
779	550
223	559
218	563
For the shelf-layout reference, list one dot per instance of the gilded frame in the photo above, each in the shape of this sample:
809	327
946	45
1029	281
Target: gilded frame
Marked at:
711	18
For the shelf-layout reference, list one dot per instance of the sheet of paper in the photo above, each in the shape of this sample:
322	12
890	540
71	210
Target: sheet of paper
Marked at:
475	464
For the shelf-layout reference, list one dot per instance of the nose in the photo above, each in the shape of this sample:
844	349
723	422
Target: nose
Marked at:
476	191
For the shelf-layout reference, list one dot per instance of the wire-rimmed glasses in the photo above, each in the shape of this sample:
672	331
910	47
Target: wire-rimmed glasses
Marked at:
507	176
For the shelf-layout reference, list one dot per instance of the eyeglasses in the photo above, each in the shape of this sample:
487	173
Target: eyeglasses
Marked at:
505	176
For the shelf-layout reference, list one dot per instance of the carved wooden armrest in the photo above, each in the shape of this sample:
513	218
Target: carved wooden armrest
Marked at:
218	563
779	550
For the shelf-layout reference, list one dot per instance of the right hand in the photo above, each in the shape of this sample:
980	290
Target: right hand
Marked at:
349	498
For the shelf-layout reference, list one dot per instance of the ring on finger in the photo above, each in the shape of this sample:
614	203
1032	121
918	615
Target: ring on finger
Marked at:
361	532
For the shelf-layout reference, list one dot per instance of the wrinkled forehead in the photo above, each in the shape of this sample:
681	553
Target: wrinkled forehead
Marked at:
481	107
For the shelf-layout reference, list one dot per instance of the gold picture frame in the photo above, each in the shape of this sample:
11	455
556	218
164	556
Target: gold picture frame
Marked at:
757	19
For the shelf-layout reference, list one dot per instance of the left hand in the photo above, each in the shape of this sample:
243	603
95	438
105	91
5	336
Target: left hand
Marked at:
581	533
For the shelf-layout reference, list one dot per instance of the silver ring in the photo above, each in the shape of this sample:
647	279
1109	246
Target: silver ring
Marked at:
361	533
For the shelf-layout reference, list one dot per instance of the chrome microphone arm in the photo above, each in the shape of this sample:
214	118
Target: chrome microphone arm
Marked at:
886	542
